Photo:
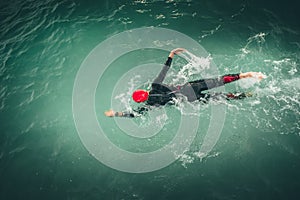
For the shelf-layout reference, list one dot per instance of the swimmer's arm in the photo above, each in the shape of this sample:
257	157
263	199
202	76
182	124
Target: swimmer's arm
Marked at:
160	78
111	113
137	112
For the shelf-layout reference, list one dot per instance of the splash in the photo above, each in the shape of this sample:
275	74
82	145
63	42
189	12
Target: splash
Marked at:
275	106
195	66
258	40
185	159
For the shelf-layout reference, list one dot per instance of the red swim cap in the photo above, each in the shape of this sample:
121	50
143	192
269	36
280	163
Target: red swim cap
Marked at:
140	96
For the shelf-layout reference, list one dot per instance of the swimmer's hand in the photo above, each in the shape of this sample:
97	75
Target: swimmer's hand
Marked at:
176	51
111	113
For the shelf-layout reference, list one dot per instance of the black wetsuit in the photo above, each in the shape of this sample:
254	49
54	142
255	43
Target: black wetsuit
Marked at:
161	94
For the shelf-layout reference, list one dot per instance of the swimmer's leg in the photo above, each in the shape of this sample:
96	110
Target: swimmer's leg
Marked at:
224	96
205	84
242	95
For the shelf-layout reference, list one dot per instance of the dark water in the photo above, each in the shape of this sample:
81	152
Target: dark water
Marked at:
43	44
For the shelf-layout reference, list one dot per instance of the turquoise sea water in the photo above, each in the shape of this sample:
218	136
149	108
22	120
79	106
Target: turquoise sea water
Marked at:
44	43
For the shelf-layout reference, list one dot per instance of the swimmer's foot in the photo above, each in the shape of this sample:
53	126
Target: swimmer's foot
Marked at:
248	94
257	75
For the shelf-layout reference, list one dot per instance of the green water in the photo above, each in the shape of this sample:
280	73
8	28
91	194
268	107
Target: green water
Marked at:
44	43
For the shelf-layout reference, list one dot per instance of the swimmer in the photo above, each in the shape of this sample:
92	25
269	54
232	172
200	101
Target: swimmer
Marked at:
162	94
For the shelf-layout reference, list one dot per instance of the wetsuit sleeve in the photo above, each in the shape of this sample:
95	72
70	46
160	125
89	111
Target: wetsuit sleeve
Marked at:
160	78
135	112
126	114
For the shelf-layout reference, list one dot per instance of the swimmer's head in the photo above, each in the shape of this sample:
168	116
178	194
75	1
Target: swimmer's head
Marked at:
140	96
